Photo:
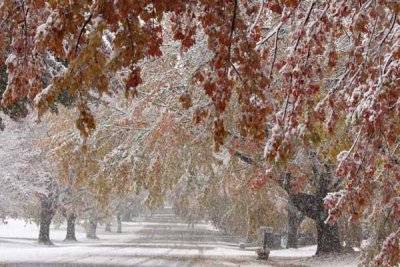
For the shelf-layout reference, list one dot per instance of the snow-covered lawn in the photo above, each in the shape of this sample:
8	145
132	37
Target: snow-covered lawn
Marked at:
144	244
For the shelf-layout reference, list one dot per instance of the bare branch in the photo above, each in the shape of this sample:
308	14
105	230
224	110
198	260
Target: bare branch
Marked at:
232	29
258	16
275	51
81	32
276	29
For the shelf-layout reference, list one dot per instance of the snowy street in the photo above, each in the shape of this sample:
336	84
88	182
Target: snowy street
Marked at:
161	240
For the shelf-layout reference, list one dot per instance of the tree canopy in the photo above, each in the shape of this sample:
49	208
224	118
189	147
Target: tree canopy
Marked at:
315	82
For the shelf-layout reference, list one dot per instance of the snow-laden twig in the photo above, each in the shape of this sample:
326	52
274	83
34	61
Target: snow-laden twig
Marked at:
258	16
266	38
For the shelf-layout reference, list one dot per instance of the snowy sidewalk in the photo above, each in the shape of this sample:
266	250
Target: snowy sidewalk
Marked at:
148	243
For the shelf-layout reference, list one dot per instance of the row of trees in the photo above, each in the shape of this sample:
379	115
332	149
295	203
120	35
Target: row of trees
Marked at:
37	191
304	90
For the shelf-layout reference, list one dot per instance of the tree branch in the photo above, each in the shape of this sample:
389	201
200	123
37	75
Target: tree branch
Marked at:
81	32
232	29
244	157
130	36
270	35
394	16
275	50
309	205
258	16
304	23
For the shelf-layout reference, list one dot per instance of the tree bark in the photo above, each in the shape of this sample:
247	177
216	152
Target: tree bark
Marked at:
292	233
108	227
46	215
71	228
328	240
119	223
44	231
91	229
295	217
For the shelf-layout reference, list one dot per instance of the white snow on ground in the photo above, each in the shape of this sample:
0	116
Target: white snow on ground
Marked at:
345	260
296	253
145	244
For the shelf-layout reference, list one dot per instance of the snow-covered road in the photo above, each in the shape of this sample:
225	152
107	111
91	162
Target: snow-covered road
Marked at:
147	243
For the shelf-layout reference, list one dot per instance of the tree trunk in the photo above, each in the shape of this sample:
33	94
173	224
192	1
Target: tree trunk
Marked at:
71	228
119	223
108	227
46	215
328	240
91	229
44	230
313	207
292	233
295	217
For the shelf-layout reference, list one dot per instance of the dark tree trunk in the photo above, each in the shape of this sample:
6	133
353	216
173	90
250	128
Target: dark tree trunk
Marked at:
292	233
108	227
295	217
119	223
91	229
44	231
312	206
328	240
46	215
71	228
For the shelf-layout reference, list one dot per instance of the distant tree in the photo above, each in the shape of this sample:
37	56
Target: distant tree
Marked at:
27	179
